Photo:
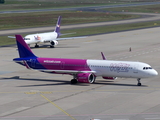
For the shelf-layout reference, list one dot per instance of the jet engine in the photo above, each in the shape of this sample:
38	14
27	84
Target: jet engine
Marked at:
54	42
86	78
111	78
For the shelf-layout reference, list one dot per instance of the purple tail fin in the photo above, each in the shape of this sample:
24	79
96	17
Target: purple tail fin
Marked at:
23	48
57	29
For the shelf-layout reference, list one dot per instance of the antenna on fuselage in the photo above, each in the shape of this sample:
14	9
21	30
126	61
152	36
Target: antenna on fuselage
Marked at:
103	57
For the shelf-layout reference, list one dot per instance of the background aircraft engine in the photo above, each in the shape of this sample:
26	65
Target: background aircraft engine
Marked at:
111	78
86	78
54	42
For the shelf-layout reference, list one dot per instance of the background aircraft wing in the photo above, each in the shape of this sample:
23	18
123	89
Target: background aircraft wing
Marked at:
67	33
11	37
70	38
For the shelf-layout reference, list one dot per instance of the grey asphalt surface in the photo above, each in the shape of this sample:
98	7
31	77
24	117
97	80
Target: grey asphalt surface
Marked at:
27	94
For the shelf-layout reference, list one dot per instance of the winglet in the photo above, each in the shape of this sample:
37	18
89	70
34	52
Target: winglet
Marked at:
57	29
104	58
23	48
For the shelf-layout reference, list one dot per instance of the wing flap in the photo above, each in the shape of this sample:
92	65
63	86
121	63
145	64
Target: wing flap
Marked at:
66	71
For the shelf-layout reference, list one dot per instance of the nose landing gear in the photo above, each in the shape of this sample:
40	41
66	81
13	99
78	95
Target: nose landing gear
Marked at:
139	83
36	46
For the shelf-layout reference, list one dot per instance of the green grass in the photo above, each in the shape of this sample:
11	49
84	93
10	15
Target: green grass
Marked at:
44	4
39	19
92	30
4	40
112	28
41	4
144	9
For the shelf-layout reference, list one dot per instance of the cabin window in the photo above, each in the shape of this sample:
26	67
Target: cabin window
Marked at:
146	68
26	38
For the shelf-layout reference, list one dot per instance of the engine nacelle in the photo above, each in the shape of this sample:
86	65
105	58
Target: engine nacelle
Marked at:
86	78
54	42
111	78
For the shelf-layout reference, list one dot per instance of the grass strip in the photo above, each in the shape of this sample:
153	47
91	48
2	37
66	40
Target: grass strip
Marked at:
142	9
112	28
28	20
4	40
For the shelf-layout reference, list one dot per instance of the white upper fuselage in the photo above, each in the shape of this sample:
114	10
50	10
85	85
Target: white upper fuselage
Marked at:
110	68
40	37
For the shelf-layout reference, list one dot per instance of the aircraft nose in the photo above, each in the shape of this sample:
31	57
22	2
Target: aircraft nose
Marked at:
154	73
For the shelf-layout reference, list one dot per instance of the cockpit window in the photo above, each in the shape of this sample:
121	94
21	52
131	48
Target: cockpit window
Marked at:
146	68
26	38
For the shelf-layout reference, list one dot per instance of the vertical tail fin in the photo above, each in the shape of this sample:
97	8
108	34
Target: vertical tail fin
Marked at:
23	48
57	29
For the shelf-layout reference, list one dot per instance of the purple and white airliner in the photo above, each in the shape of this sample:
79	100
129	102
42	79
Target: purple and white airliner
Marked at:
83	70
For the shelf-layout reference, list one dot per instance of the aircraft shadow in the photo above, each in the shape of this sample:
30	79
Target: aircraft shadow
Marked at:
48	47
118	84
62	82
52	82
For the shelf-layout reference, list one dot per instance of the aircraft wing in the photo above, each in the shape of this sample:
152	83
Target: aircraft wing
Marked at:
65	71
67	33
11	37
70	38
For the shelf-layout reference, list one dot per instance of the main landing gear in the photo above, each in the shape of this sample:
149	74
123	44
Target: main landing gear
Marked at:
36	46
139	83
74	80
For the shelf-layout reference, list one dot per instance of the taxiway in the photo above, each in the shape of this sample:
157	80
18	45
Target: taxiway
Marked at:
27	94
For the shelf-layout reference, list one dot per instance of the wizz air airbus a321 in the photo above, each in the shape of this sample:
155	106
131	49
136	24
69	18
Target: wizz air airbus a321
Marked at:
83	70
51	37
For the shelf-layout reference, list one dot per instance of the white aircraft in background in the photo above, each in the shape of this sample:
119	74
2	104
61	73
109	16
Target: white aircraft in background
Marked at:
51	37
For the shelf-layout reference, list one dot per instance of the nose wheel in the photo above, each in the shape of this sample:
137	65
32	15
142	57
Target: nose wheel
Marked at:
139	82
36	46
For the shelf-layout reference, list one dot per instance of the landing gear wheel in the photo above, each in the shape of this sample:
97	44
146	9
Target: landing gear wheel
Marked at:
36	46
139	83
73	81
51	46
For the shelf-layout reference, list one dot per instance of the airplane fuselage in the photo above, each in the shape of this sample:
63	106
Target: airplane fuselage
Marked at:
83	70
98	67
40	37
